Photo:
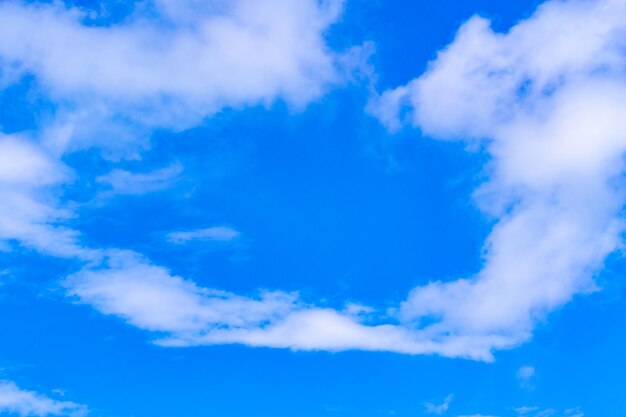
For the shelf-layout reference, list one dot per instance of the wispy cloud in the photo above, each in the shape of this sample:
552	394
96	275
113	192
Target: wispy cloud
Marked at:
30	213
24	403
438	409
181	313
476	415
534	411
525	375
214	234
122	182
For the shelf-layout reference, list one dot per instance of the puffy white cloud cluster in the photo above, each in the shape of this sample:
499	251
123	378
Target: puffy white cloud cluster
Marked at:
169	67
547	102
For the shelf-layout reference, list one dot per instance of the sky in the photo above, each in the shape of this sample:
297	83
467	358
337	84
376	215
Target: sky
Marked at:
285	208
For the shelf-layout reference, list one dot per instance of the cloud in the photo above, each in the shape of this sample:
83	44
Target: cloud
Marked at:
547	102
30	212
215	234
122	182
526	410
476	415
574	412
439	409
110	84
539	412
525	375
23	403
168	64
180	313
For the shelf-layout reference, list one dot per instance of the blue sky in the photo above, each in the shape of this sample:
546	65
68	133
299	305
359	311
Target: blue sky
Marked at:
312	208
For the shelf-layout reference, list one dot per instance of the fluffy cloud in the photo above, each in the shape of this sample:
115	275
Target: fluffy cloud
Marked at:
30	212
16	401
547	102
182	313
168	64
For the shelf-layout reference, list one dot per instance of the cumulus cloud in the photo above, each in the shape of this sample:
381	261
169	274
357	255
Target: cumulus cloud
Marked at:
24	403
214	234
547	101
168	64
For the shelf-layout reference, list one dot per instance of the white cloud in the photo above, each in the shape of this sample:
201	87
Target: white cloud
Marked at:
439	409
168	64
574	412
16	401
168	67
125	182
149	297
215	234
547	101
526	410
30	213
182	313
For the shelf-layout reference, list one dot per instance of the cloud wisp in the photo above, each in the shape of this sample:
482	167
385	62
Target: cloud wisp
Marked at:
209	234
122	182
24	403
439	409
